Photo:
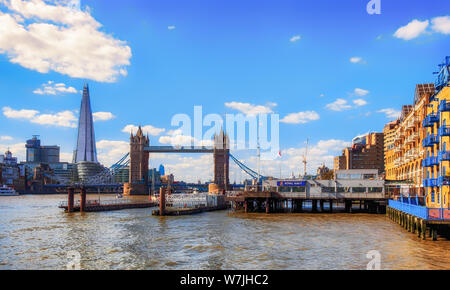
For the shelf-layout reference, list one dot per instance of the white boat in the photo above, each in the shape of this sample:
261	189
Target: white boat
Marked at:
7	191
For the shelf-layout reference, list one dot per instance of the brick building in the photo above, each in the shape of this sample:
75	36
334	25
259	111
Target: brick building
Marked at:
366	152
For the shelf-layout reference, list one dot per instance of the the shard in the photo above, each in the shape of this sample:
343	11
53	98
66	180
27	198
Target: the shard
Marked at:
86	150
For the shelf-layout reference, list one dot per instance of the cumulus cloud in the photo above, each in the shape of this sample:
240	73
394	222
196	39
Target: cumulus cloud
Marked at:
390	113
412	30
18	150
295	38
103	116
171	27
60	119
148	129
300	117
441	24
6	138
110	151
250	109
50	88
360	102
176	138
19	114
339	105
52	36
360	92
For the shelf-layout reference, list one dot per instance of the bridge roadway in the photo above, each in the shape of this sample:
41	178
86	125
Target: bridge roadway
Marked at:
179	149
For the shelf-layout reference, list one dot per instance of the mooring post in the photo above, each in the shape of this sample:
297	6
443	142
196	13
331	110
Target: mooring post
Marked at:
83	199
321	205
70	199
434	233
245	206
267	206
331	206
162	201
314	205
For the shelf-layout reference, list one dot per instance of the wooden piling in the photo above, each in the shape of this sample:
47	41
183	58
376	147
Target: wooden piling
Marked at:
83	199
70	201
162	201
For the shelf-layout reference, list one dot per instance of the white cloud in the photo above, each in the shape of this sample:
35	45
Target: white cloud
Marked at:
360	92
412	30
171	27
300	117
339	105
148	129
250	109
109	151
6	138
360	102
51	36
357	59
295	38
176	138
19	114
60	119
390	113
103	116
441	24
18	150
50	88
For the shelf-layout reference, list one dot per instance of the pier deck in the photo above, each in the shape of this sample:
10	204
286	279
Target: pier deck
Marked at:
96	206
176	211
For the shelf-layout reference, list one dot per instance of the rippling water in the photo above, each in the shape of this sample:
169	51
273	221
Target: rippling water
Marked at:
35	234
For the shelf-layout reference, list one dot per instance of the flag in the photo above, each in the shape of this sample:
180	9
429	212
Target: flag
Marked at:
279	153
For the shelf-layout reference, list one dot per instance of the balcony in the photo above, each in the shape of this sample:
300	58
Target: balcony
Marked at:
430	182
430	120
444	156
430	161
444	180
430	141
444	131
411	123
412	138
444	106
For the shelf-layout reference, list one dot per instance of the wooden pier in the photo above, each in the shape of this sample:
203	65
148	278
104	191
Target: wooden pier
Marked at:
275	202
108	205
422	227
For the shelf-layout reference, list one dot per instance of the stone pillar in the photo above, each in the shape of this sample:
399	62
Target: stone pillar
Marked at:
83	199
162	201
70	200
331	206
321	205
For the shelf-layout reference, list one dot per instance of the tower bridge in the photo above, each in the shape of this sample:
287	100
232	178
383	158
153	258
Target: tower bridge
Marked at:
140	150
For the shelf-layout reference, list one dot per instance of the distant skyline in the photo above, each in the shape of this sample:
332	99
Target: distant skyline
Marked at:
328	68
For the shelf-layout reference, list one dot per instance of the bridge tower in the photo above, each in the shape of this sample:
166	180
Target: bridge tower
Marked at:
138	176
222	160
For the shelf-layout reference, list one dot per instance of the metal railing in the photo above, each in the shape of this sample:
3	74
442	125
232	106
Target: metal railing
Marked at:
105	202
423	212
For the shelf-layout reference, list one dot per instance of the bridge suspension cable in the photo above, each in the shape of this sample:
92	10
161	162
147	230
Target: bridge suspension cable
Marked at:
247	169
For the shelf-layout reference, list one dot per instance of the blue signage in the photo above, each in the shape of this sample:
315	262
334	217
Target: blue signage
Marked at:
291	183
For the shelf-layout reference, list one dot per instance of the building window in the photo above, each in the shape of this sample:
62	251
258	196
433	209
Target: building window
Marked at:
375	189
328	189
359	189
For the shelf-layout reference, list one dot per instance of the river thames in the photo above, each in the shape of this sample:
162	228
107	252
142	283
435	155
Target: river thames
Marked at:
36	234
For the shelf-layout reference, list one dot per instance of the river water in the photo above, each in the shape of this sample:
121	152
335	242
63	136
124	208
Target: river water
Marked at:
36	234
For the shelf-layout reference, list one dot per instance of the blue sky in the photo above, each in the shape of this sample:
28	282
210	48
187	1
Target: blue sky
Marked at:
161	58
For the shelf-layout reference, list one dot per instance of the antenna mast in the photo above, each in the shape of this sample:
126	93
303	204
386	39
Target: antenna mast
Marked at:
305	162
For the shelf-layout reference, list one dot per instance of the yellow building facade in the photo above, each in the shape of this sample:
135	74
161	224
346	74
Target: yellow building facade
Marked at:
404	151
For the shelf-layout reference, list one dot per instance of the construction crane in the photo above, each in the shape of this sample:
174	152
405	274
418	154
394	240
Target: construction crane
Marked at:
305	162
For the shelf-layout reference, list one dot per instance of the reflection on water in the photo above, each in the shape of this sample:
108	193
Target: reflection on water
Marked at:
35	234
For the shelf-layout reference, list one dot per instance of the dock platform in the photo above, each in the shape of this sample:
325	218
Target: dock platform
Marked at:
175	211
108	205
